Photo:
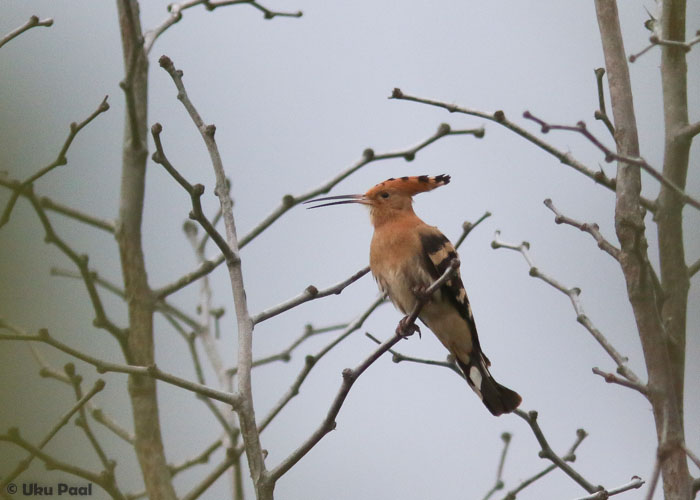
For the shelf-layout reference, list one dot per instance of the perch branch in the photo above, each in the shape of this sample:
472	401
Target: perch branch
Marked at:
351	375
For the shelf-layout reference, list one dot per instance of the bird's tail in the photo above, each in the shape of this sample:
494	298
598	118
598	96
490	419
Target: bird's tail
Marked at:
498	399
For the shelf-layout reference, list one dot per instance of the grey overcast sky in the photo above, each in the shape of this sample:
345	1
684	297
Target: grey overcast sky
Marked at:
296	101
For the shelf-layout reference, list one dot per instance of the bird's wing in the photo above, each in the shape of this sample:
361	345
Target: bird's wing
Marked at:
438	252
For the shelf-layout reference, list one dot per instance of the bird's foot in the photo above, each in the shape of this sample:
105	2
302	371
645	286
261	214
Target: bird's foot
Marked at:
420	292
406	329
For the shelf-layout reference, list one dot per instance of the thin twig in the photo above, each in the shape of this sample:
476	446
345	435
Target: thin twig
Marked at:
200	459
175	11
500	118
654	40
548	453
635	483
601	113
60	160
468	227
569	457
611	378
611	156
195	193
398	357
581	317
310	293
692	456
32	23
590	228
49	204
498	485
693	268
286	354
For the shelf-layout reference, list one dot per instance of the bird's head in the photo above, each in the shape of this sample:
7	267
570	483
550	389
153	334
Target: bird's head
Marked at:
390	198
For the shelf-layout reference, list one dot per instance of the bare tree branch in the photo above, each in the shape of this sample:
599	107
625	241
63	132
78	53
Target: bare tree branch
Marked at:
195	193
59	161
611	155
49	204
398	357
573	294
176	9
310	293
32	23
548	453
200	459
246	411
634	483
286	354
500	118
654	40
611	378
586	227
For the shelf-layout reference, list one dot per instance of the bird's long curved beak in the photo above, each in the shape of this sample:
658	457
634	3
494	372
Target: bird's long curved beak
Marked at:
344	198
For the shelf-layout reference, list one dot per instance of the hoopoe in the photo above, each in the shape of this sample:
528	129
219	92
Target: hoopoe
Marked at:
406	256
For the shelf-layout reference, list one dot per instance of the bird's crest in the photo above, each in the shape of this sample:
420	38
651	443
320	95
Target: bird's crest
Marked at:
409	185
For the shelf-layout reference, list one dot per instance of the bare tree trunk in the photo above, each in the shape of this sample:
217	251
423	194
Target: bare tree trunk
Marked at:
139	349
674	274
662	333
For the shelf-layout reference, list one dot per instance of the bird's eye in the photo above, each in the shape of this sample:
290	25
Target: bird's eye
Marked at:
384	194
